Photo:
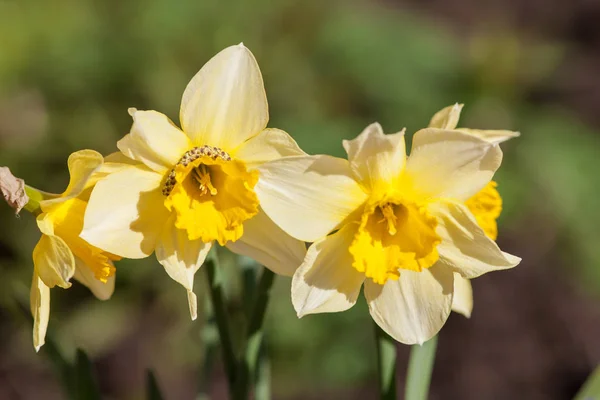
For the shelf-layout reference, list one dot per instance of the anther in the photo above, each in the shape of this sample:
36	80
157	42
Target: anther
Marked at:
202	176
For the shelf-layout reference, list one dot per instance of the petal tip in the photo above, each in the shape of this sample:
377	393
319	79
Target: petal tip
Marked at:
131	111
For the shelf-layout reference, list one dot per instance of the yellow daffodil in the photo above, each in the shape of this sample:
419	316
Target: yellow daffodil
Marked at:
60	253
192	186
486	205
398	225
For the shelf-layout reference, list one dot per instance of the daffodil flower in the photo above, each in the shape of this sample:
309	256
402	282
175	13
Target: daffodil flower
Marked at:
486	205
399	226
60	253
192	186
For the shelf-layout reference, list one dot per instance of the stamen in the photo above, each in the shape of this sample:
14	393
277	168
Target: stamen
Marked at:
389	216
202	176
191	156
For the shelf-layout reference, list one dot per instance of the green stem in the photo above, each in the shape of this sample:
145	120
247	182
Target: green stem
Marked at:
420	366
254	336
215	286
386	362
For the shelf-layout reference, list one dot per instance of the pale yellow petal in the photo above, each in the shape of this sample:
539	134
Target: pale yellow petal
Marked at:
82	165
462	302
446	118
87	277
492	136
126	213
181	258
376	159
40	309
269	245
53	261
225	103
268	145
326	280
154	140
308	196
465	248
451	164
413	308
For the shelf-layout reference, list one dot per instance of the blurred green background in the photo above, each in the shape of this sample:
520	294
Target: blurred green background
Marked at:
69	69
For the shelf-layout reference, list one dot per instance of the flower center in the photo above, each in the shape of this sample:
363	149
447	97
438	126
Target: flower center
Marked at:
394	235
202	176
192	155
211	194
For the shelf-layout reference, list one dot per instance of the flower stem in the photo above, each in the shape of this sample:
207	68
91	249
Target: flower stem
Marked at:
254	337
215	286
386	363
420	366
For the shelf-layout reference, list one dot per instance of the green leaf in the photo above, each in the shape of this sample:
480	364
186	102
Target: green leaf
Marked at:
591	388
152	389
86	387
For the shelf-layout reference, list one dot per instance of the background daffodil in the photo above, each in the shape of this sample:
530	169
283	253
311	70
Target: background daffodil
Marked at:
486	205
192	186
398	225
60	253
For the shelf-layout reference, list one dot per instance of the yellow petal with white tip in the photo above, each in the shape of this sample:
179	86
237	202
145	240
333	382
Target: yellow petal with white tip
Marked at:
308	196
462	302
181	258
446	118
326	280
87	277
225	103
465	247
376	159
491	135
154	140
452	164
40	309
269	245
413	308
53	261
125	213
270	144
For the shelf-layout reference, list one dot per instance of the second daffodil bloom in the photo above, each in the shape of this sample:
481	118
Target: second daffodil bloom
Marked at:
399	226
189	187
486	205
60	253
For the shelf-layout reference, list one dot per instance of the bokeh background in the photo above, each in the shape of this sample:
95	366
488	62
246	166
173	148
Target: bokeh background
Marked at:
69	69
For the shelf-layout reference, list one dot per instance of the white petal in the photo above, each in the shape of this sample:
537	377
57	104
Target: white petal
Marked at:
465	248
413	308
53	261
308	196
462	302
492	136
268	145
154	140
83	274
225	103
269	245
40	309
376	158
181	258
326	281
451	164
446	118
126	213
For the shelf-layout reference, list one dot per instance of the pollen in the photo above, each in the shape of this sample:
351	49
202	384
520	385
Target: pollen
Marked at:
202	175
